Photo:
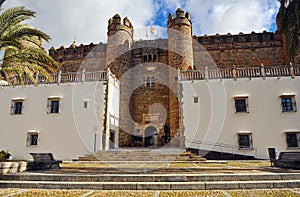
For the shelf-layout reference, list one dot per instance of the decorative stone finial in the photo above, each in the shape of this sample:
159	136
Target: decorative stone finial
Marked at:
73	45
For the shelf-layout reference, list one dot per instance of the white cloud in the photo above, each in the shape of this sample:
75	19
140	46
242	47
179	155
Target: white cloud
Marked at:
234	16
87	20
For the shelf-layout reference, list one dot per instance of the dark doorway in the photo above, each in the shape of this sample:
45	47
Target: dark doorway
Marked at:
112	139
149	137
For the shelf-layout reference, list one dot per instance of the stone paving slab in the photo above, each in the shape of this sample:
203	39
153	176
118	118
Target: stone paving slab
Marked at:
222	185
47	176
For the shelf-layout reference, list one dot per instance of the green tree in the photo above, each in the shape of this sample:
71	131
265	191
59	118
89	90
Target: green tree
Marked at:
288	22
23	54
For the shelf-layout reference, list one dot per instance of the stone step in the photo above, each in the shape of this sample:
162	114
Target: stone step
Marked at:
220	185
150	177
141	155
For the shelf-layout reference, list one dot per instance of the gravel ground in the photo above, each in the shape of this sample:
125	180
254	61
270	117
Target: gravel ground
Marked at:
92	193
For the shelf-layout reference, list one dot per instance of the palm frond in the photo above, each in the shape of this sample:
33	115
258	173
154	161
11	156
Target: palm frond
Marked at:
1	3
13	16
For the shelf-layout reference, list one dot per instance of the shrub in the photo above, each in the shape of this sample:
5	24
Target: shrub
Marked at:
4	155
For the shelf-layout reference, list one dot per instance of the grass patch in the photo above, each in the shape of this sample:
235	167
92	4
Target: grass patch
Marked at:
122	193
263	193
46	193
191	194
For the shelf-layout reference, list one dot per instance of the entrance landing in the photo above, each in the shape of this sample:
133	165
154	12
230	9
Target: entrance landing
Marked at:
142	154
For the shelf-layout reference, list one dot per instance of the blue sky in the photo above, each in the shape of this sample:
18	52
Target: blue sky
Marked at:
87	20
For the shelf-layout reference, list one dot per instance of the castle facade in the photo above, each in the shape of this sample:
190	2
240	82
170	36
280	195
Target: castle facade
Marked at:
220	93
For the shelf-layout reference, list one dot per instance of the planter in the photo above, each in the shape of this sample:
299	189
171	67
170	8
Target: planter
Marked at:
12	166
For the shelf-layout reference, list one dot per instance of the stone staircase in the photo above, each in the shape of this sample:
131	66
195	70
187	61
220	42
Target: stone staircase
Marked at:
151	169
48	180
142	155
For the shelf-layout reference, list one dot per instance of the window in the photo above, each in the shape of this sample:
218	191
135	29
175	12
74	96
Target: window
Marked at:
196	99
288	103
85	103
292	139
53	105
32	138
245	140
17	106
150	82
150	58
241	104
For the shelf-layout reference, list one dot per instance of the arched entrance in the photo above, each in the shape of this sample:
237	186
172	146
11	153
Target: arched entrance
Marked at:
150	137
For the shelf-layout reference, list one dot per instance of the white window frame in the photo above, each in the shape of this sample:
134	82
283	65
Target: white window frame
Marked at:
297	133
250	138
246	99
293	102
13	106
50	101
29	138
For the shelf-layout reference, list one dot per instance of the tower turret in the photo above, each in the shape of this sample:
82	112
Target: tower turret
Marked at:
180	57
180	40
120	37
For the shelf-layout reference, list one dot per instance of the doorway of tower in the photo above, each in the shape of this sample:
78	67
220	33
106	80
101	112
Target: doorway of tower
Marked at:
112	139
150	137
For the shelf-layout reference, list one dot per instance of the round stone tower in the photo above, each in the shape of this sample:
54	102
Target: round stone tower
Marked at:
118	60
119	37
180	40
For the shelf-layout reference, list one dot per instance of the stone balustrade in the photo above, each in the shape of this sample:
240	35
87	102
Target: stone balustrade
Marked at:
60	77
235	73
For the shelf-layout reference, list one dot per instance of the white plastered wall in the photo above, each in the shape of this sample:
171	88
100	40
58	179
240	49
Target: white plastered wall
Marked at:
67	135
214	118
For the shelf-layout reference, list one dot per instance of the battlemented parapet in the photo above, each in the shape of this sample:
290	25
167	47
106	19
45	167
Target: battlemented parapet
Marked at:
242	50
180	40
119	38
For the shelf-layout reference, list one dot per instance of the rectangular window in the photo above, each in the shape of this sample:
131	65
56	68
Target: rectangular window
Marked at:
288	104
196	99
53	106
17	107
241	104
245	141
85	104
32	139
292	140
150	82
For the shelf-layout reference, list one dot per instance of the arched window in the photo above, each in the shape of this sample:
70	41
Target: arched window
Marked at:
152	82
148	82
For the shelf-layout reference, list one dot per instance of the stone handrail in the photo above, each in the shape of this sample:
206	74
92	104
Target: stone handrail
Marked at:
235	73
60	77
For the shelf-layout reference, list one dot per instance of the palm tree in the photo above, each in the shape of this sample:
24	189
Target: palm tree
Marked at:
288	22
21	43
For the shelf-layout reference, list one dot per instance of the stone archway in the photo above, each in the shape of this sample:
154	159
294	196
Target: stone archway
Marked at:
150	136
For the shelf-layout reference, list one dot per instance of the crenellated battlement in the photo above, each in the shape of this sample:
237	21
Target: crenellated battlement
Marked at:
239	38
74	52
115	24
180	19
